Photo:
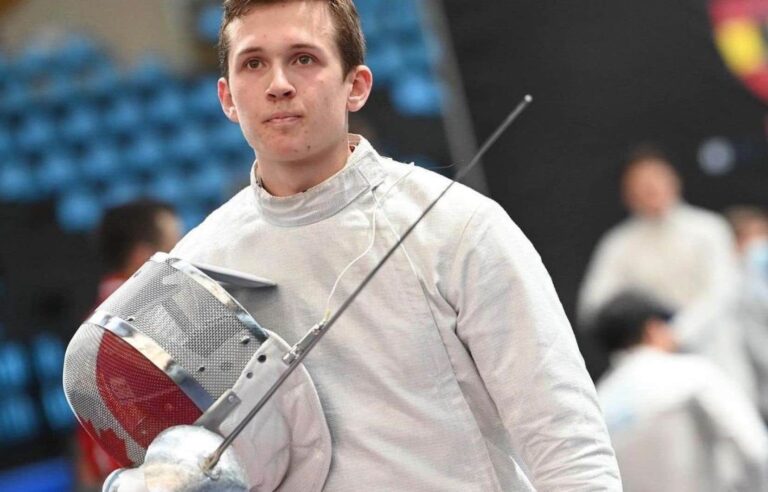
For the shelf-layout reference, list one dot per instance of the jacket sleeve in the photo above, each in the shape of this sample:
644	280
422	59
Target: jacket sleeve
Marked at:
740	439
513	324
604	278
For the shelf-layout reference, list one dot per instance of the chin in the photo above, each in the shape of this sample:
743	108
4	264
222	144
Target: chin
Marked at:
280	147
285	153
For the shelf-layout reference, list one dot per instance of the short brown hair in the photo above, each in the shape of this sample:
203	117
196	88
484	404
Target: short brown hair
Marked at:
125	226
646	152
349	34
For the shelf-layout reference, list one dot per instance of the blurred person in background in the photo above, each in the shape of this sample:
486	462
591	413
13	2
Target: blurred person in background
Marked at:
127	236
677	422
682	254
750	227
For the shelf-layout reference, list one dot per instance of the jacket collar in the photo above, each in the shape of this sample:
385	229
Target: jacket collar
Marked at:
361	173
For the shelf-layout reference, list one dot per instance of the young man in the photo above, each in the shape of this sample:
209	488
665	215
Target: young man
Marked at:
677	422
455	369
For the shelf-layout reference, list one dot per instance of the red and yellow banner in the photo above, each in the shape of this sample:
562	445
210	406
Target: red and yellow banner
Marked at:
740	28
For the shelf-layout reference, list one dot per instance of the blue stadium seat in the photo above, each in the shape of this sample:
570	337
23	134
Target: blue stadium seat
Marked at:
6	143
17	183
103	82
416	55
208	182
386	61
147	153
78	210
120	191
169	186
191	215
48	357
401	17
14	97
227	136
53	475
208	21
167	107
125	115
101	161
35	61
35	132
79	53
203	101
56	409
370	21
81	124
56	172
417	94
4	69
14	366
368	9
149	74
19	420
188	144
59	91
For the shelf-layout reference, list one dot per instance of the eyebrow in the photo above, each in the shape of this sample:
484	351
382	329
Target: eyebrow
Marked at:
293	47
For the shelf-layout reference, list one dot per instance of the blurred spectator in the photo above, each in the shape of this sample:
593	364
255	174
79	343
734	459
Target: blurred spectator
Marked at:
682	254
677	423
750	226
127	236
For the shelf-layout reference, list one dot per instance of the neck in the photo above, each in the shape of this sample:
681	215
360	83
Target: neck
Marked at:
290	177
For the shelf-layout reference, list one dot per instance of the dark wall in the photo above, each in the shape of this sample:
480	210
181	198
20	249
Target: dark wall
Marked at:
605	74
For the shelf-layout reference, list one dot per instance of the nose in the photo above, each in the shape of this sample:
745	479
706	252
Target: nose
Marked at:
280	87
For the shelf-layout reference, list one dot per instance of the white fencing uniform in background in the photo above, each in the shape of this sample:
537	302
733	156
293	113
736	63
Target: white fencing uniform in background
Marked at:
678	424
753	313
686	260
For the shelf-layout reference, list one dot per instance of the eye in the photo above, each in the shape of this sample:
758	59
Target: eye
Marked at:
253	63
304	59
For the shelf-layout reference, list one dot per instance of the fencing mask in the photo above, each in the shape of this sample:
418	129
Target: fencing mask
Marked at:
171	347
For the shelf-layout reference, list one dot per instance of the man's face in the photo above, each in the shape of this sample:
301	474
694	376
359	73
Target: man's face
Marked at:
286	85
650	188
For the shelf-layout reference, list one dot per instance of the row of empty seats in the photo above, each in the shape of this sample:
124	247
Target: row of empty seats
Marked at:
33	399
89	137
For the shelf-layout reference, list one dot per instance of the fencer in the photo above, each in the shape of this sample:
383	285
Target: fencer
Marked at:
456	368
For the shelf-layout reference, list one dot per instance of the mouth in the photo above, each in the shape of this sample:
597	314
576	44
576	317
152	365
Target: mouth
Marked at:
283	118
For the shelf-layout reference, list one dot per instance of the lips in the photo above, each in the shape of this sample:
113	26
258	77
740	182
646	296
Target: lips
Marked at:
283	117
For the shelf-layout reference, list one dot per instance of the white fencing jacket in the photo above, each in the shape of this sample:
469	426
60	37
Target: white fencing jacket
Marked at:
685	257
679	425
456	368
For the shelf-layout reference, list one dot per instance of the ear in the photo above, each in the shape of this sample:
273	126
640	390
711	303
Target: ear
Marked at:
225	98
362	82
